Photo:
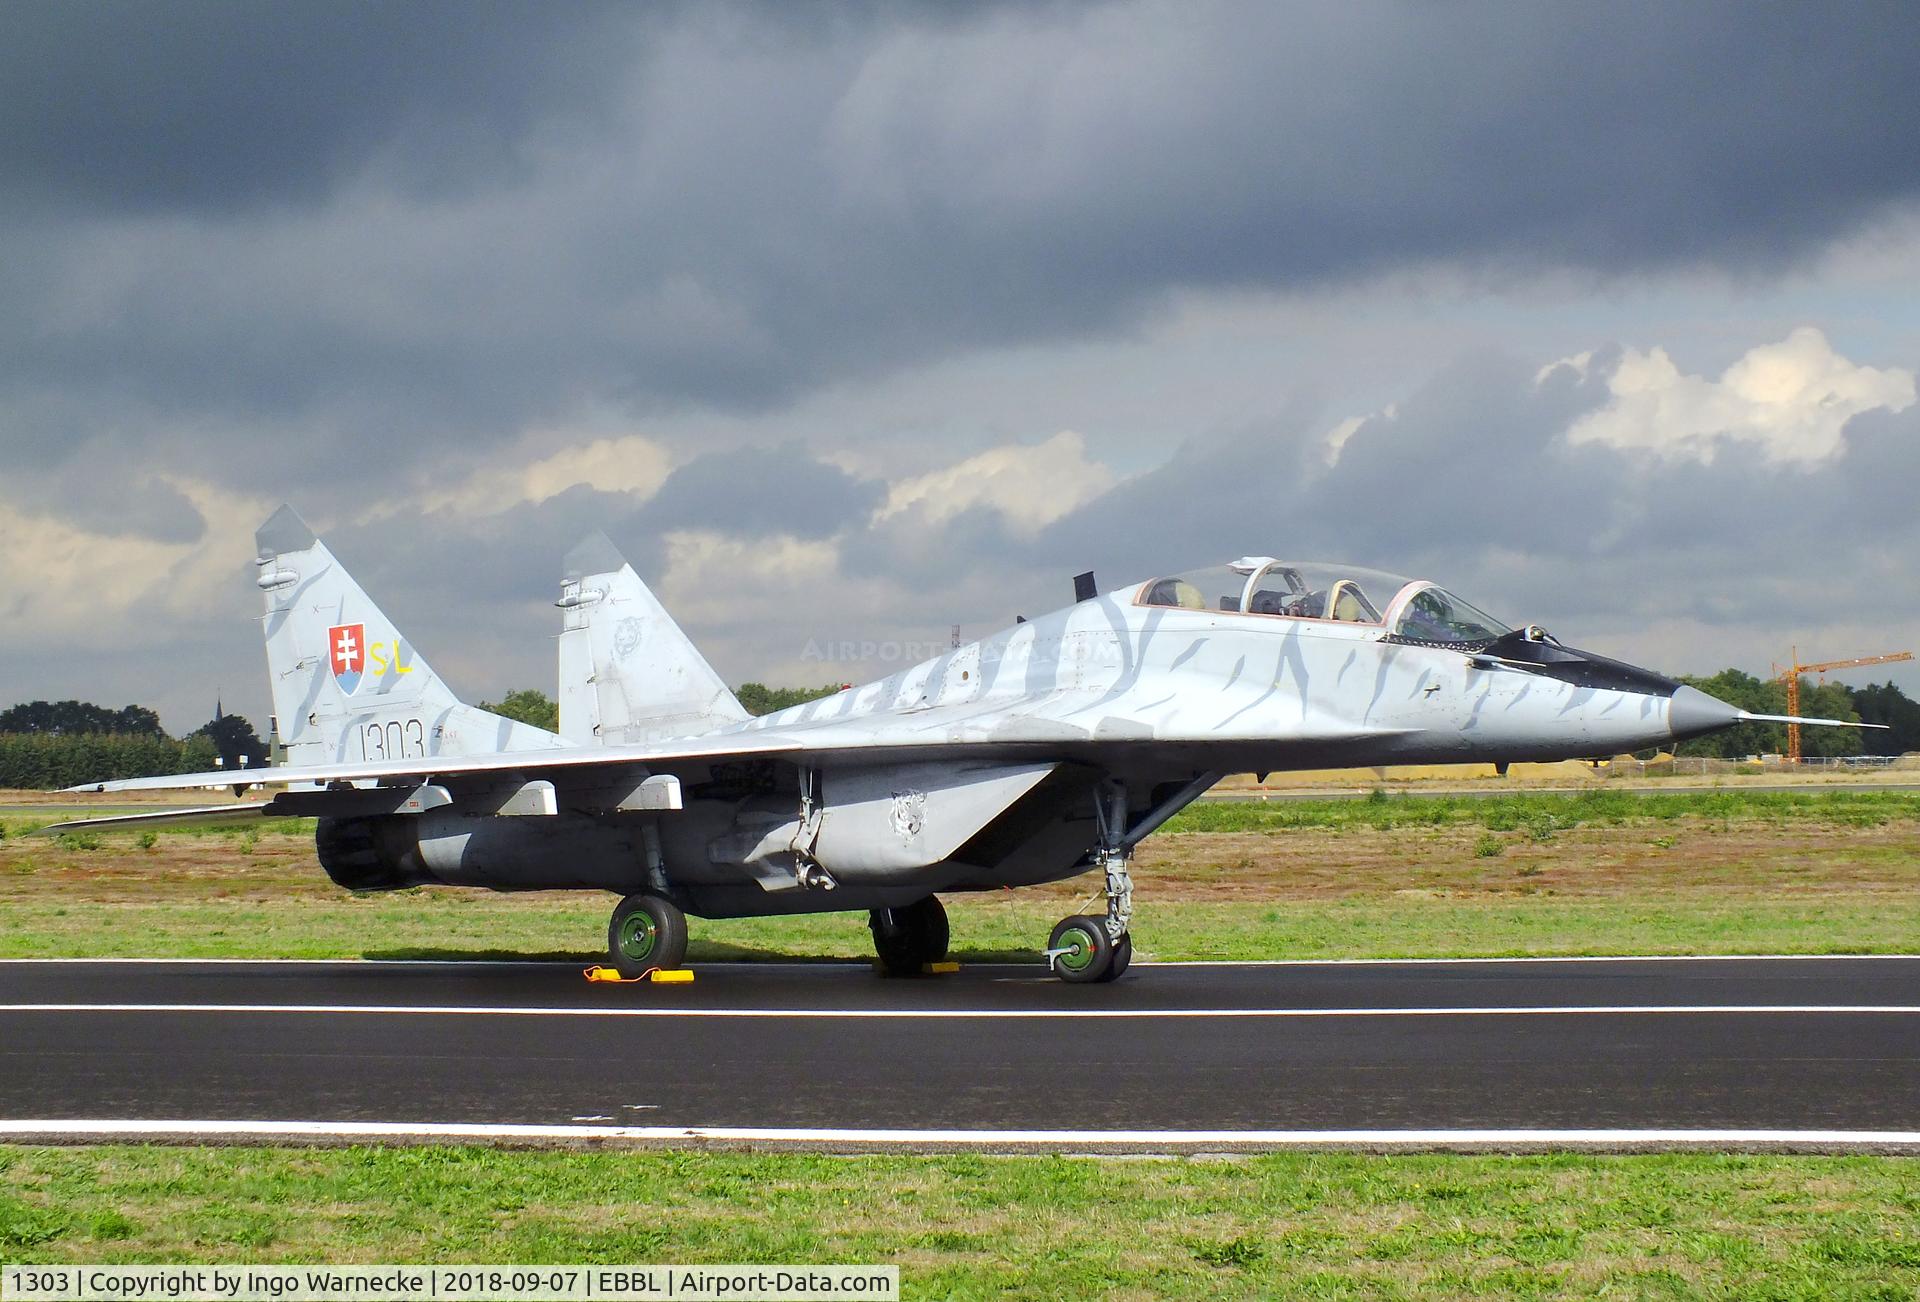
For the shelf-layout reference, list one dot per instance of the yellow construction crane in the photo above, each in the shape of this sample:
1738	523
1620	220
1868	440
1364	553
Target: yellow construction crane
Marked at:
1790	675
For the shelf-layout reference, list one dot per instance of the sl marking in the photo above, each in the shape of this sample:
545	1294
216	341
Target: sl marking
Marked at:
382	655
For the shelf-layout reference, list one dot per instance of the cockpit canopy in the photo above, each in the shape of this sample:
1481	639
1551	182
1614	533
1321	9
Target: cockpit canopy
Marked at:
1413	609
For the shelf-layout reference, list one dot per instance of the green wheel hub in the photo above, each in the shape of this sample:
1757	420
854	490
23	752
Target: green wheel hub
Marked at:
1080	949
639	934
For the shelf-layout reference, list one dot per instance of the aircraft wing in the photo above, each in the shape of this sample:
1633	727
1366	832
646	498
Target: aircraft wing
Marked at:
965	731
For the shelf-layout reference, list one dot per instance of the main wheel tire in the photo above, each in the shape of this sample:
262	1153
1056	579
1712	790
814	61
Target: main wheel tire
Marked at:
908	938
1122	955
647	933
1083	949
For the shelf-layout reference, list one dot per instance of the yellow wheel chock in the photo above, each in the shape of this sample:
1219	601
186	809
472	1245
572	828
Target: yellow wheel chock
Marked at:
659	976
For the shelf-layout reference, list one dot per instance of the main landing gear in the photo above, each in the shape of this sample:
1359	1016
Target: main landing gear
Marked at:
909	938
647	933
1086	948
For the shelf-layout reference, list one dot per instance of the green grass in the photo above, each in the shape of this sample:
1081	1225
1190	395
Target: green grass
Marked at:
1503	813
1527	873
969	1226
452	926
18	827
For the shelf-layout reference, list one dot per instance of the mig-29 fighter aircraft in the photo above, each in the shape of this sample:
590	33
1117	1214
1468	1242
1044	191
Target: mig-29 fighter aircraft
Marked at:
1048	750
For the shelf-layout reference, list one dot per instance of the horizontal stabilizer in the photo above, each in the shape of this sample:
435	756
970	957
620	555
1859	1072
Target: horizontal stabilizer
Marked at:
201	816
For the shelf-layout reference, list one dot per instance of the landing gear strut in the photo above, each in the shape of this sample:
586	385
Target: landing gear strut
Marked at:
1085	948
909	938
647	933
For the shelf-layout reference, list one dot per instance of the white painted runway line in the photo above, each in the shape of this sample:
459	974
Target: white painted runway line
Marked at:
328	962
837	964
956	1014
115	1128
1524	958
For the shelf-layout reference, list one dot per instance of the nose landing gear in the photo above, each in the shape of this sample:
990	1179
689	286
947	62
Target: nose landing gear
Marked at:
1083	948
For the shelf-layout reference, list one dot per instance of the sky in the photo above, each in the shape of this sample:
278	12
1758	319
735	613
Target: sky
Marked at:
851	322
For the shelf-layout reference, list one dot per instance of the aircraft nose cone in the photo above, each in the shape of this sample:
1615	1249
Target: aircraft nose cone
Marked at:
1692	713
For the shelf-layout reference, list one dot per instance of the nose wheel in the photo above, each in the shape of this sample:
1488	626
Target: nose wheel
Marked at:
1080	950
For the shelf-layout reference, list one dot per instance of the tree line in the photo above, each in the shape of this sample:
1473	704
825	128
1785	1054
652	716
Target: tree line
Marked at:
47	744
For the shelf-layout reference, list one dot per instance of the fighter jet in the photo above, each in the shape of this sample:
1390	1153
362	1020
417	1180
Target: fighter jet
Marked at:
1047	751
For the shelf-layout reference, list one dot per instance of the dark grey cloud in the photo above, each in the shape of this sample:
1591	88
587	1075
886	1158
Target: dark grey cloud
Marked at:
469	567
402	232
907	548
110	497
211	108
754	492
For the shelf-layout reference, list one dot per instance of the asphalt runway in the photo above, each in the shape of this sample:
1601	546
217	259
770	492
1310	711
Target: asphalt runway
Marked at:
1804	1053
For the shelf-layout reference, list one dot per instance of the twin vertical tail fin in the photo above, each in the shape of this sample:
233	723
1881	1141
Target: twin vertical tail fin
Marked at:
347	684
627	672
